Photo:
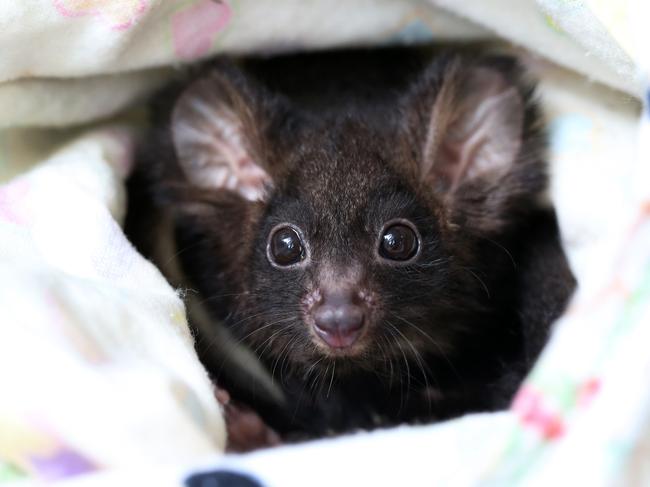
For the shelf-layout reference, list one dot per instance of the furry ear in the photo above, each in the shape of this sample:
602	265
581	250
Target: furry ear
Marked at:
218	130
475	128
476	121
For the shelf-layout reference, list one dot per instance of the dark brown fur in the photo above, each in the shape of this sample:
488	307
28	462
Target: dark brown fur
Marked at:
350	140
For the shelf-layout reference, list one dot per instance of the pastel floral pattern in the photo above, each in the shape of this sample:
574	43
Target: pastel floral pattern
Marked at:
12	197
119	15
535	414
195	27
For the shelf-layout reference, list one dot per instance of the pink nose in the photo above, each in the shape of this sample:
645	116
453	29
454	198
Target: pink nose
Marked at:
339	321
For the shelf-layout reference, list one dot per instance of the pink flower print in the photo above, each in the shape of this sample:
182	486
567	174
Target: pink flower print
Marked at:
195	28
588	391
11	202
530	407
119	15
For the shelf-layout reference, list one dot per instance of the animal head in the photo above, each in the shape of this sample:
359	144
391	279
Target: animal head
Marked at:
353	236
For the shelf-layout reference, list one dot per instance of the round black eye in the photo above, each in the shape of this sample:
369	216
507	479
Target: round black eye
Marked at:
398	242
286	247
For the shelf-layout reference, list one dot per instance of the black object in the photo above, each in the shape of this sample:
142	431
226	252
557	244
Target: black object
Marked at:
221	478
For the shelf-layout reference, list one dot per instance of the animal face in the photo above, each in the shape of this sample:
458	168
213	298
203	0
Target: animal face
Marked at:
352	272
354	238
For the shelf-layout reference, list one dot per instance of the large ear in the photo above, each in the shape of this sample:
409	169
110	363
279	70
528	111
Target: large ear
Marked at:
219	127
473	121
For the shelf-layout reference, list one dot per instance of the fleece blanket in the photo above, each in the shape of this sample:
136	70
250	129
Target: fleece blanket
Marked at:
99	383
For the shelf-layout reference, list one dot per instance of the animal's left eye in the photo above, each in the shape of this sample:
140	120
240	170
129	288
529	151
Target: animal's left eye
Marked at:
398	242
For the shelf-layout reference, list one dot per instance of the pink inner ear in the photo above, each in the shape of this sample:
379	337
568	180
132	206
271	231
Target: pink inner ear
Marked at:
484	136
212	148
235	170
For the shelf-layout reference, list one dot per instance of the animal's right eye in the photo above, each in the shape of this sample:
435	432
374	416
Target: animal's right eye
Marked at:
286	247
